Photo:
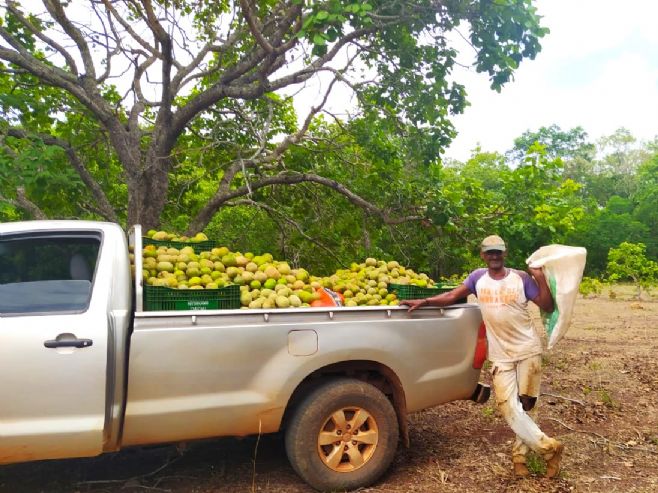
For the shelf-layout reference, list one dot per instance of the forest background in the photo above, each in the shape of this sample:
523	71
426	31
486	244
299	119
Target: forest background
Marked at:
180	116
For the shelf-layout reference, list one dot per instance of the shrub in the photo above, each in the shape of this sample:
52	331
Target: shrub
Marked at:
590	287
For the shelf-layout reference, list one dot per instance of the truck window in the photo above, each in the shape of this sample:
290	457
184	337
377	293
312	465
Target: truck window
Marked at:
47	273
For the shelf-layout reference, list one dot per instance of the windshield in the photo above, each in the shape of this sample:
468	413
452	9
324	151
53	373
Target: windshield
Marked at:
47	273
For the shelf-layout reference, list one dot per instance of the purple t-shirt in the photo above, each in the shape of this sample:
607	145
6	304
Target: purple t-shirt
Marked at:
529	285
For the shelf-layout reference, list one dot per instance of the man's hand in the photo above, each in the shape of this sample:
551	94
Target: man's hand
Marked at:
545	299
413	304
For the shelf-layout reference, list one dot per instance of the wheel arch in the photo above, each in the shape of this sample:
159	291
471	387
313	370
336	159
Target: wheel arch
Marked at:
372	372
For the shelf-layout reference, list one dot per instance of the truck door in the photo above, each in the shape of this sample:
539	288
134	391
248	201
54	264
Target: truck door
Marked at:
53	346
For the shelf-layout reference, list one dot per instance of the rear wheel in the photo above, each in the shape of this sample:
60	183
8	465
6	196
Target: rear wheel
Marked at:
343	435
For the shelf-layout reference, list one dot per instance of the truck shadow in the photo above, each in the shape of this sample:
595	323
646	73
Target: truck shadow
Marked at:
219	465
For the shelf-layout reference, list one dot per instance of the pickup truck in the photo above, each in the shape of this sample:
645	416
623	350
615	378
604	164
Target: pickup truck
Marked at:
85	370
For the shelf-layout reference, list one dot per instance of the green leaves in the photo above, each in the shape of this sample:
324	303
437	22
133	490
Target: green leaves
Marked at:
628	261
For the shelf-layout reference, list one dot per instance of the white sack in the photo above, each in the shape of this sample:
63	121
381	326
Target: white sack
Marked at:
563	267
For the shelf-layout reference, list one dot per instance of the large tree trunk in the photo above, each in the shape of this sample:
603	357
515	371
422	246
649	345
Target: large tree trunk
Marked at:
147	174
147	196
147	191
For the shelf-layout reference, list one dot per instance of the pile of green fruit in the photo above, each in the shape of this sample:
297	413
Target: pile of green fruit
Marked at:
265	282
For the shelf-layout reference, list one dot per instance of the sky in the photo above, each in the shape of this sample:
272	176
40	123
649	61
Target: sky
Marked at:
598	69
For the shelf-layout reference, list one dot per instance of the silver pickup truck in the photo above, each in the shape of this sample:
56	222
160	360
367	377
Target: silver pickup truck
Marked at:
85	370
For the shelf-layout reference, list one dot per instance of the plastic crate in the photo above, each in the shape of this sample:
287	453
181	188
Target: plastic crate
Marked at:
199	246
158	298
412	292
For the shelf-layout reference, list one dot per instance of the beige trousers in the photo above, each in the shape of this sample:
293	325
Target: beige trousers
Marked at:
514	382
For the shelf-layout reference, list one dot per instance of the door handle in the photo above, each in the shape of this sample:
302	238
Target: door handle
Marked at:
78	343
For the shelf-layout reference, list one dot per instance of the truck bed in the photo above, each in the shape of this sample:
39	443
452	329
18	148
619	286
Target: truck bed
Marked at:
233	372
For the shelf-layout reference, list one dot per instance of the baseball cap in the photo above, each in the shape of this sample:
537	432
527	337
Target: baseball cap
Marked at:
493	242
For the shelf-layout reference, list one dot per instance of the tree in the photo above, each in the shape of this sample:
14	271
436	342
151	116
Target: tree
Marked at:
646	199
568	145
615	173
628	261
603	229
529	205
203	71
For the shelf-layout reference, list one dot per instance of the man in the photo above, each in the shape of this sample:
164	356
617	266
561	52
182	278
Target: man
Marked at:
514	346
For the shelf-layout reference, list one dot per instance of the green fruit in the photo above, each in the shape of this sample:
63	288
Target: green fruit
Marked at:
229	260
295	301
165	266
258	260
270	283
245	298
149	252
257	303
305	296
150	233
194	281
282	302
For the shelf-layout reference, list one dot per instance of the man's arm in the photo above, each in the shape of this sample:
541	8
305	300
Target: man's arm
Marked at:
544	300
443	299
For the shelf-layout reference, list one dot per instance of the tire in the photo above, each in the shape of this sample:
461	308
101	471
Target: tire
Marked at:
323	446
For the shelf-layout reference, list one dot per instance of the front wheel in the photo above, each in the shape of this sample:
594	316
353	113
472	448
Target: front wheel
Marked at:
343	435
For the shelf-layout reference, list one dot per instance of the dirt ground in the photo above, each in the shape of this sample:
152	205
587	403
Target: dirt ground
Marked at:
599	396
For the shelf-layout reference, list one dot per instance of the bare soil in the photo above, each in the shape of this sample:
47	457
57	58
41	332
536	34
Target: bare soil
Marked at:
598	397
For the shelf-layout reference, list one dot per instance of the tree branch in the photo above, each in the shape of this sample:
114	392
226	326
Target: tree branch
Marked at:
56	10
252	22
24	203
295	224
291	178
105	208
70	62
230	83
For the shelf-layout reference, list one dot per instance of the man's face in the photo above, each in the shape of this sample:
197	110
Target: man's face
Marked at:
495	259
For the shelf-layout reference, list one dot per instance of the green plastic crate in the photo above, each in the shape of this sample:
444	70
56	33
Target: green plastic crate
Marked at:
411	292
159	298
200	246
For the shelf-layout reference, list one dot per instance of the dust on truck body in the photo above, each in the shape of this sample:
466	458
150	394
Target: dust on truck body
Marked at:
85	370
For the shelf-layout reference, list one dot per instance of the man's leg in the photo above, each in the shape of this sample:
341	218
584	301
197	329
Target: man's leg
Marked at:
506	389
528	378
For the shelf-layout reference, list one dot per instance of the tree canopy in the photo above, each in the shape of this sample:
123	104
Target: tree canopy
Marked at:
142	96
